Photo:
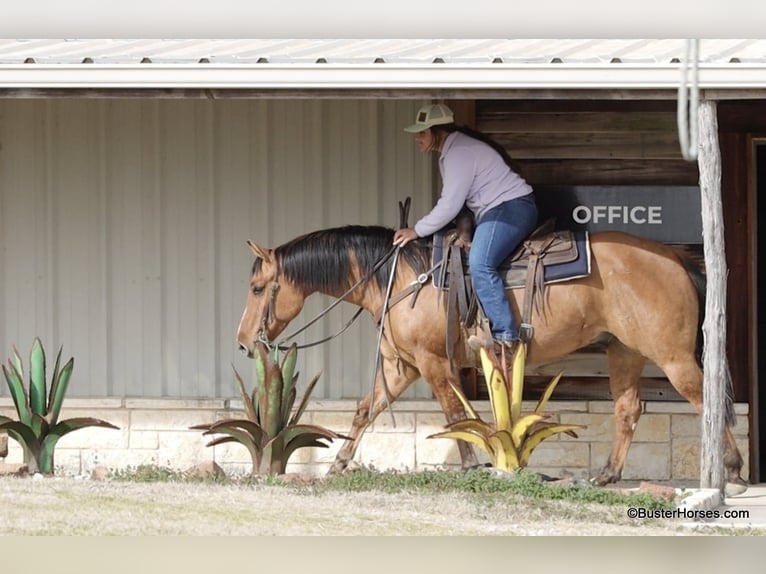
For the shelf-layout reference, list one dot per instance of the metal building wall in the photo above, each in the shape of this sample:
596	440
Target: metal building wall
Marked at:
123	226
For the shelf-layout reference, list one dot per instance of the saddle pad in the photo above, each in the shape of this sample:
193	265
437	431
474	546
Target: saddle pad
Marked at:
516	277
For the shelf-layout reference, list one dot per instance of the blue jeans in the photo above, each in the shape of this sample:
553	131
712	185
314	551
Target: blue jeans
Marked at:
500	231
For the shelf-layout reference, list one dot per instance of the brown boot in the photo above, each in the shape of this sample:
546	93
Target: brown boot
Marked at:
509	347
476	342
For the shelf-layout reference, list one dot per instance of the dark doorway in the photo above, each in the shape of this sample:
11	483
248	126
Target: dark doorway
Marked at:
760	195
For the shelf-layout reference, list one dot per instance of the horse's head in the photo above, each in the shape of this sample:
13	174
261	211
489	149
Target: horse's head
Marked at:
272	302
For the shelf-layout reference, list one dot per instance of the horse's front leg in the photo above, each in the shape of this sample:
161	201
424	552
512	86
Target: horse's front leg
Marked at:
625	368
398	376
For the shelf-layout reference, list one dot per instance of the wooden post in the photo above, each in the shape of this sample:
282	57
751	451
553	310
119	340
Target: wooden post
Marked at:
714	328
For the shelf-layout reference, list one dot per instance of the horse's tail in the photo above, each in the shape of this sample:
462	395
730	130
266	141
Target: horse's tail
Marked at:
700	285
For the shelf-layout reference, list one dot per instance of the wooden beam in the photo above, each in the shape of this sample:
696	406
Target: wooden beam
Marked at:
465	112
715	367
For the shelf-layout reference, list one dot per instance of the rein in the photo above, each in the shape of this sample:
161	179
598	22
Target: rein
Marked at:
275	287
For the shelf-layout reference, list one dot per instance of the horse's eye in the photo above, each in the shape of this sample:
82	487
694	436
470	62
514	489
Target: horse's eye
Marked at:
257	289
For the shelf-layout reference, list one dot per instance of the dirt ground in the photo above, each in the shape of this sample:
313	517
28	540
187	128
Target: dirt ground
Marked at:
68	506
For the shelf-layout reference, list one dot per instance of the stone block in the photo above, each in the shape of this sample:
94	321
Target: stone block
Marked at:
97	437
670	407
691	425
323	455
601	407
645	461
405	422
15	453
685	425
561	454
742	426
165	404
560	406
741	408
344	406
181	449
67	461
686	457
334	421
231	414
231	452
599	427
387	451
434	451
427	406
652	428
93	404
648	461
157	420
143	439
743	444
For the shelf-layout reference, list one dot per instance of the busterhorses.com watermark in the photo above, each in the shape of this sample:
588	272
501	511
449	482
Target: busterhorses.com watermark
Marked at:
685	514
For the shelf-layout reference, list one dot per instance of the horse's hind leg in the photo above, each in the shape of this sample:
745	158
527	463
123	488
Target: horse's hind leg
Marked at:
686	377
625	368
398	376
439	375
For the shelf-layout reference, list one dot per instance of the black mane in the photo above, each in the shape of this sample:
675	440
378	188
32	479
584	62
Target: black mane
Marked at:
322	260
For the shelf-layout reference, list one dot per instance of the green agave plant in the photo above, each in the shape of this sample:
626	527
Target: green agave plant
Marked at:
38	428
510	440
270	432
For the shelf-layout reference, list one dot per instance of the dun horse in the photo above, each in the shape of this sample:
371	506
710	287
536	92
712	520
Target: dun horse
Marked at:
641	296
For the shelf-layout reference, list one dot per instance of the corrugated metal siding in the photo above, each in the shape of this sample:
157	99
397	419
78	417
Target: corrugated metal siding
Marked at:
123	227
367	51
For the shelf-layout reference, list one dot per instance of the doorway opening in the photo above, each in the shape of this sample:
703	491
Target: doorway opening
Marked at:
760	351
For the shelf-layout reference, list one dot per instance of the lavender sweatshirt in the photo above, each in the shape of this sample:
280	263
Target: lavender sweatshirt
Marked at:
473	174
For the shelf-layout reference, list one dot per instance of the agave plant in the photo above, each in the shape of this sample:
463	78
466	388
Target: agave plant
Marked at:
271	432
38	428
510	440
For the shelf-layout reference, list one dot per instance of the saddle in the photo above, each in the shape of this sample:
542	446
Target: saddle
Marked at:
546	256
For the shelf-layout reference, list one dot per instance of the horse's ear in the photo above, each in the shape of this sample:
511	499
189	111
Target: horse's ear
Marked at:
259	251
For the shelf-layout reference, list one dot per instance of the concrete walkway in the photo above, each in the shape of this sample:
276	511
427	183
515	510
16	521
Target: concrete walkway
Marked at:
746	510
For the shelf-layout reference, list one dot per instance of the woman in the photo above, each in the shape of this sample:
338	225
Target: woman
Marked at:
476	172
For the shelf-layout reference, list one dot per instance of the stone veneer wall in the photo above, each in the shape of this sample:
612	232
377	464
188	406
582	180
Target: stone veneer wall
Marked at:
156	431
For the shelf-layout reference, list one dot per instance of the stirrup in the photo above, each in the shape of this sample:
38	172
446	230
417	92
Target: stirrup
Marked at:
525	332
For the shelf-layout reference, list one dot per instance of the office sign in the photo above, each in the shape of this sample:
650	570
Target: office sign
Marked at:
670	214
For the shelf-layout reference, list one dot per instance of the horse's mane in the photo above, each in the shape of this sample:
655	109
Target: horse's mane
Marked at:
322	260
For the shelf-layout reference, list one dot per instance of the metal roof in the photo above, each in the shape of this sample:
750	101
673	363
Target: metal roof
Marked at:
376	63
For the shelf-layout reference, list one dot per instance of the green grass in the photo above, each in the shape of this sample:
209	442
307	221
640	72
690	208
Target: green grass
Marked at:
524	483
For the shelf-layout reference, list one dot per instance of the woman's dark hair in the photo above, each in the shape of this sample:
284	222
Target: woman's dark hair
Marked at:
475	134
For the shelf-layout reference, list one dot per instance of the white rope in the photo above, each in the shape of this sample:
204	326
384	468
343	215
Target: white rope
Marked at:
688	103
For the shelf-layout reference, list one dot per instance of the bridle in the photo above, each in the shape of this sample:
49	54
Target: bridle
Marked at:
269	317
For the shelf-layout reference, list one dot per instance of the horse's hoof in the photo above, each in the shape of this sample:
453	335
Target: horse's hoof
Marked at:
735	488
599	481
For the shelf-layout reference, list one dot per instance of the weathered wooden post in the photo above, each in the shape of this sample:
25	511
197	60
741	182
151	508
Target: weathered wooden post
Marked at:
715	364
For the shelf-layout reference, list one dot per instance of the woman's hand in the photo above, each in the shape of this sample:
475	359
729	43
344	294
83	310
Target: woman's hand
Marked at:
403	236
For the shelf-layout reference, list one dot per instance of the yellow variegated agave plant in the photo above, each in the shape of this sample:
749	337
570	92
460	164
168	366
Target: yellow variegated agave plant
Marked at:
510	440
271	432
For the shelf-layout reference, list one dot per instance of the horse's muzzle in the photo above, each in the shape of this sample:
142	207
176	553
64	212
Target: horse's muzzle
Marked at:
245	351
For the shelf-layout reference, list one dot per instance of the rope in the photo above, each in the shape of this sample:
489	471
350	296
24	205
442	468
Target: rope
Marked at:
688	124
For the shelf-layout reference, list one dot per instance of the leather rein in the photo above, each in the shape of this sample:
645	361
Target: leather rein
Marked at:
269	315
